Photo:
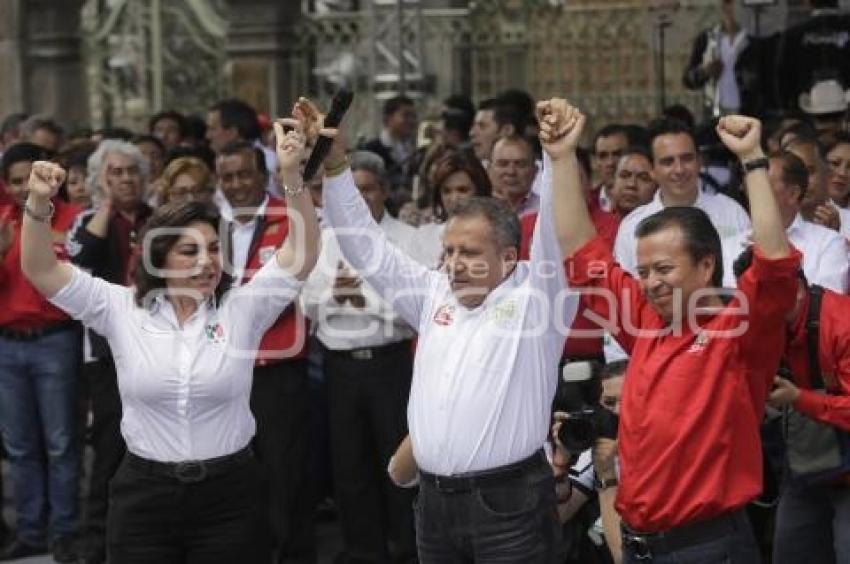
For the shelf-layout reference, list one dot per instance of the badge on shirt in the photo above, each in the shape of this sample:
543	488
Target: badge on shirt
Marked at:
504	313
266	253
214	332
700	341
445	316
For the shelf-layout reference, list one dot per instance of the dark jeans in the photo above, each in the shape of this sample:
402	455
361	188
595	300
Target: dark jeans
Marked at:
158	519
738	546
367	402
281	403
812	525
37	411
107	444
513	522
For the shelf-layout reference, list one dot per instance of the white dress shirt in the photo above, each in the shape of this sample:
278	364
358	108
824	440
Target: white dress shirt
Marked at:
428	248
727	216
185	391
343	326
483	378
241	235
730	48
824	254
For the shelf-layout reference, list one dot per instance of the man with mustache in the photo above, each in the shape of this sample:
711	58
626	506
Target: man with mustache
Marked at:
490	337
701	364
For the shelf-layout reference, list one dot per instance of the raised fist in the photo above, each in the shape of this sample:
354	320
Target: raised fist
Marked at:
45	179
741	135
561	126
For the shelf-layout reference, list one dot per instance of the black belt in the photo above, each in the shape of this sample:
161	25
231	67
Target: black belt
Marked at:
460	483
368	353
34	334
191	471
645	545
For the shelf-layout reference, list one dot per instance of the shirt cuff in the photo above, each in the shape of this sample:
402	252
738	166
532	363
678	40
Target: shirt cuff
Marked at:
809	403
764	268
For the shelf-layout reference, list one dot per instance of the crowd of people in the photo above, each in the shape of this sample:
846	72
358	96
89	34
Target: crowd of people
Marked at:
474	340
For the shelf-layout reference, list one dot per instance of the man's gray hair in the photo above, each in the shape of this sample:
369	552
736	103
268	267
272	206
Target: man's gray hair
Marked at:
370	162
97	163
503	220
33	123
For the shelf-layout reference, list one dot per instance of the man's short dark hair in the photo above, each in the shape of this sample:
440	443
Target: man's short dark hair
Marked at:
668	126
701	238
236	113
242	146
794	171
638	135
36	122
609	131
681	113
636	150
22	152
139	139
503	114
394	104
172	115
503	221
13	122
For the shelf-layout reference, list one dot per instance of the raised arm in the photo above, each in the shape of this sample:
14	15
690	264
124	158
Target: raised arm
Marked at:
742	136
561	126
300	250
38	260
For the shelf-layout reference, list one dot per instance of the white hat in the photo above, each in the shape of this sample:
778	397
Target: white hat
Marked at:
825	97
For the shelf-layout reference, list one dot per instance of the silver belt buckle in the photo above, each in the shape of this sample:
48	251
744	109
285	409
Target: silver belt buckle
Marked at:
361	354
638	545
191	472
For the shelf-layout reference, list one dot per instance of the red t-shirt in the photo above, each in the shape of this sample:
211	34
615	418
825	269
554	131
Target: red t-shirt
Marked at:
834	357
22	307
693	402
588	344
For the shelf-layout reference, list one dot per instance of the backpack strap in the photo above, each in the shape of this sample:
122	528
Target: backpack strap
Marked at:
813	335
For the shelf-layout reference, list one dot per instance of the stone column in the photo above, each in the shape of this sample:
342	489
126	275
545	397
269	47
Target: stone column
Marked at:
52	69
11	39
260	58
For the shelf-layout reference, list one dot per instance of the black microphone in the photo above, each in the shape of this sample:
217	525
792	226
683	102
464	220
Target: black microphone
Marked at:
339	105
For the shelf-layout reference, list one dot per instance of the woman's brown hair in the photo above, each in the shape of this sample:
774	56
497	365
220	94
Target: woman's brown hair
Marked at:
172	217
449	164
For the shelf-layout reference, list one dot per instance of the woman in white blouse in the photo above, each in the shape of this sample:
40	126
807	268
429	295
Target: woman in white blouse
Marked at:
189	489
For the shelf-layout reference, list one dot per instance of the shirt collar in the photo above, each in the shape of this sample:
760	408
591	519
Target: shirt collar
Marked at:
697	203
796	225
227	212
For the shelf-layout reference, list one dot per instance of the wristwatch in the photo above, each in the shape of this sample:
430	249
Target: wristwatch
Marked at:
606	483
756	164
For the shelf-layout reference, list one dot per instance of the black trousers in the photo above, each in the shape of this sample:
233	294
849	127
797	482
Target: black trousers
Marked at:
107	443
156	519
367	404
281	404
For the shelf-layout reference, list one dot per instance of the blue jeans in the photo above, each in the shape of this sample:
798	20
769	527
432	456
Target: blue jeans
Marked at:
812	524
515	522
37	410
737	546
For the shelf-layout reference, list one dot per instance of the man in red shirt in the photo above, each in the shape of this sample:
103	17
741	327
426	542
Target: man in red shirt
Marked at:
701	365
812	516
39	358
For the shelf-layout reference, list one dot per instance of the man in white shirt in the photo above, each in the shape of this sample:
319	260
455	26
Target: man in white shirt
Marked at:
824	251
368	364
485	370
675	166
609	144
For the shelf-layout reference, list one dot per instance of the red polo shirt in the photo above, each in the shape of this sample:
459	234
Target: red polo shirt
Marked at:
692	402
22	307
588	345
834	352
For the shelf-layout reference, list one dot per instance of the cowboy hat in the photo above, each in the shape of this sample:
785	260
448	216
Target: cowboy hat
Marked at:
825	97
